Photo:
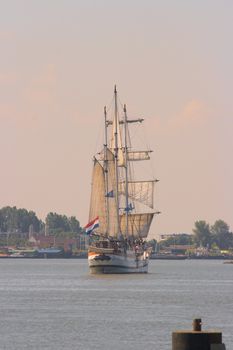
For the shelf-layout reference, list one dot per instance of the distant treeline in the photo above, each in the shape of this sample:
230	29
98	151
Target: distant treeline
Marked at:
204	235
14	220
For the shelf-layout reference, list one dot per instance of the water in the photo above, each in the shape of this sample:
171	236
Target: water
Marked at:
56	304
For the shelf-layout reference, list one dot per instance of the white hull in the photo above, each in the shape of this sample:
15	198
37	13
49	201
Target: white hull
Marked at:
114	263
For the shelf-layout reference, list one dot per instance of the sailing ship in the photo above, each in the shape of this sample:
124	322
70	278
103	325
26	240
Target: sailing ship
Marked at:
121	206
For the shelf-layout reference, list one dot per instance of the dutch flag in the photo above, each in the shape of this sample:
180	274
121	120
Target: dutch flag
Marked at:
92	225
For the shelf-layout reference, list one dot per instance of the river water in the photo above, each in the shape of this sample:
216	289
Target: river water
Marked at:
57	304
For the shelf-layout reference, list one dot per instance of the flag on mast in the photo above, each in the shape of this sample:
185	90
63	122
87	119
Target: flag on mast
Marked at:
92	225
110	194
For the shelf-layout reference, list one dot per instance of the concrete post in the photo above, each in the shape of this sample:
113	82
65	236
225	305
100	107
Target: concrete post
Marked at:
197	339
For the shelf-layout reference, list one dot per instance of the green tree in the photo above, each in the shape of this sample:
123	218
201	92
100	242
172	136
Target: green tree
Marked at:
222	235
74	224
60	224
18	220
177	239
8	219
27	218
57	222
202	234
153	243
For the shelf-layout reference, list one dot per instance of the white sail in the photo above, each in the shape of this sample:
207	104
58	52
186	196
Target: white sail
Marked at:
103	199
138	225
138	155
97	204
140	191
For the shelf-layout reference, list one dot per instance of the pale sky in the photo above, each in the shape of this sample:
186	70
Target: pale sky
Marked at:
172	61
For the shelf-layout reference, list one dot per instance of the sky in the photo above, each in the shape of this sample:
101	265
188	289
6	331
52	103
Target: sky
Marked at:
172	61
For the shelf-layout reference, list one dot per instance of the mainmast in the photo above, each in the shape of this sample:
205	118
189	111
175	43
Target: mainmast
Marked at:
126	175
116	158
106	169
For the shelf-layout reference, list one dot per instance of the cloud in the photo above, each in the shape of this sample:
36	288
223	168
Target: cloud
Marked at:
6	35
47	76
42	86
8	112
193	114
193	110
7	79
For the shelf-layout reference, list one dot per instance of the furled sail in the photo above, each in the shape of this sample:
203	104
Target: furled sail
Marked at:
117	143
138	225
111	204
141	191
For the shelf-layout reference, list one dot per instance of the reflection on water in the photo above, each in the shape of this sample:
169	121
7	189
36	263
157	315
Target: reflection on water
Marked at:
57	304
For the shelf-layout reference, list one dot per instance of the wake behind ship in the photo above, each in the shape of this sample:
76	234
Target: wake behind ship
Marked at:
122	204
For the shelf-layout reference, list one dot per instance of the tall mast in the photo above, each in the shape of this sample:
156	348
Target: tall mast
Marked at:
126	175
116	158
106	168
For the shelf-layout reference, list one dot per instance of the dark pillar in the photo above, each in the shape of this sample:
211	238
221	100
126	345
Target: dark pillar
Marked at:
197	339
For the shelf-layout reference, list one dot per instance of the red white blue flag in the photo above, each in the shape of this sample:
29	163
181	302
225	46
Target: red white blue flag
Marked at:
92	225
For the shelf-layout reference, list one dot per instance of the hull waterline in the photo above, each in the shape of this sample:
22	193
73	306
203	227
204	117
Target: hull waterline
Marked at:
113	264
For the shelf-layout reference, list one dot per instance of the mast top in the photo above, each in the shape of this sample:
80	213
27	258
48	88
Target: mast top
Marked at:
115	89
